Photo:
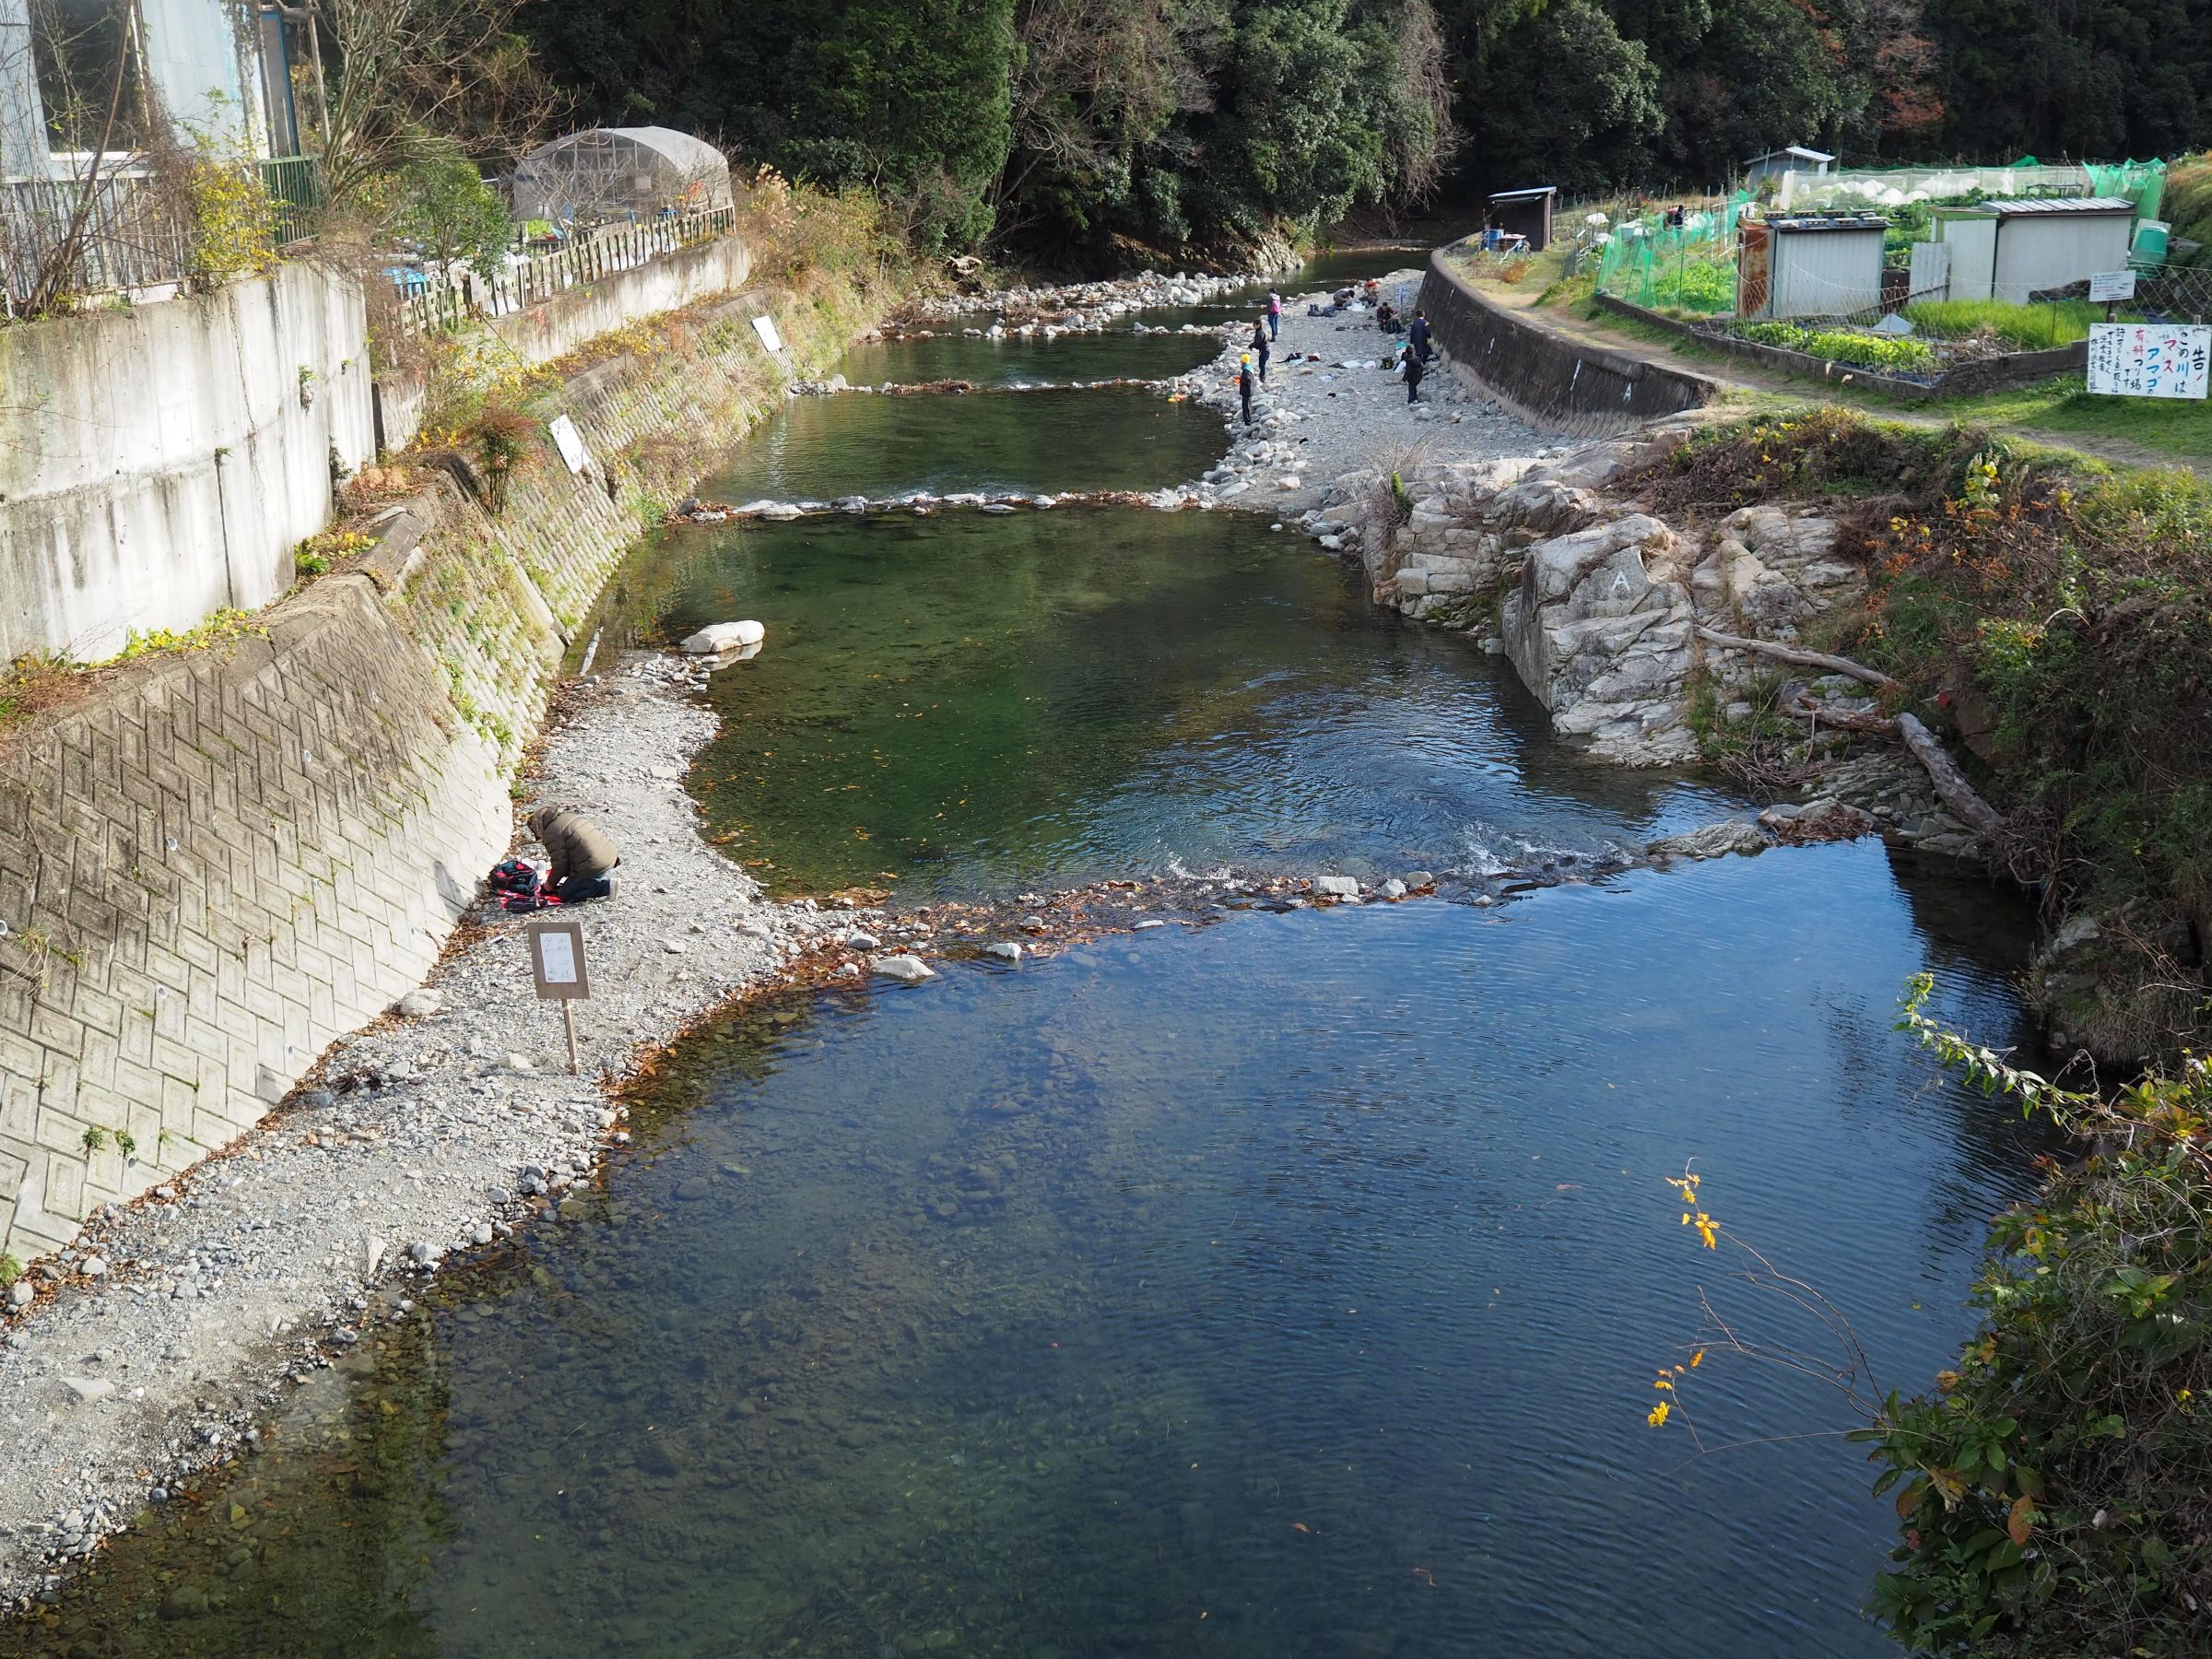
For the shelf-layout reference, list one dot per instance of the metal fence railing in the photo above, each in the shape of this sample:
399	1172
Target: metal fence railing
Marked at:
432	300
121	231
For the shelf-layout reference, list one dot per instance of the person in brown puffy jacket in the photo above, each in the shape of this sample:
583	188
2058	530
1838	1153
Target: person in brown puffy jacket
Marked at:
581	854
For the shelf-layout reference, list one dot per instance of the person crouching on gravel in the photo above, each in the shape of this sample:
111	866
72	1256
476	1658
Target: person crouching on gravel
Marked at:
581	854
1244	387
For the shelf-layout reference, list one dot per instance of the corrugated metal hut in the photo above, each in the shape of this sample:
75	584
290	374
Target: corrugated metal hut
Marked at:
2010	249
1794	158
1799	266
1526	213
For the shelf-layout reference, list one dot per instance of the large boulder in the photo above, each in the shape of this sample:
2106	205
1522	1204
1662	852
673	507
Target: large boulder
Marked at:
1601	645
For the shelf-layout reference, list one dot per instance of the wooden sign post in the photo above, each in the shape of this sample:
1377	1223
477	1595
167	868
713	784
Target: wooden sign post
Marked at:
556	959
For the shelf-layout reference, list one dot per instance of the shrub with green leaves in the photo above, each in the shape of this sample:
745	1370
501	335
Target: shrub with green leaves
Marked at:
2055	1489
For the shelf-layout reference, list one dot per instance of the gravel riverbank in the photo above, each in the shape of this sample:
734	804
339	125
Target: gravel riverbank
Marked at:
153	1345
1330	407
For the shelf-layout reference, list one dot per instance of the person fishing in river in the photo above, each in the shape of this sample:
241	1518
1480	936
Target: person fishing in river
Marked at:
1259	345
1274	314
1244	386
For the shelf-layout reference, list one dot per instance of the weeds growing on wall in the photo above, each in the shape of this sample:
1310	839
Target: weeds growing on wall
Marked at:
2058	616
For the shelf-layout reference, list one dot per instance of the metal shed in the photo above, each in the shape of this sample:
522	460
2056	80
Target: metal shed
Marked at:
1805	266
1795	157
1526	213
620	172
2010	249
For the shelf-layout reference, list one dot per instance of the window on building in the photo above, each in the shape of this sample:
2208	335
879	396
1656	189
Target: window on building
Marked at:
91	80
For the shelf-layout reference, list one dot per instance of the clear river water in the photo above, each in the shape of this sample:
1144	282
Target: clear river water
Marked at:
1269	1285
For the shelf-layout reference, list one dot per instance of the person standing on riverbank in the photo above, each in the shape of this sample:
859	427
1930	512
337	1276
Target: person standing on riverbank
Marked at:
1414	370
1244	385
1259	345
583	856
1275	315
1418	336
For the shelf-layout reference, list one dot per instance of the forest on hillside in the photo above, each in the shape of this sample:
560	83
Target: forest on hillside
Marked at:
1062	127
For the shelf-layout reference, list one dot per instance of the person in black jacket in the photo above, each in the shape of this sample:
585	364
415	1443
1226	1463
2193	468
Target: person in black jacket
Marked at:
1244	385
1259	345
1418	336
1414	370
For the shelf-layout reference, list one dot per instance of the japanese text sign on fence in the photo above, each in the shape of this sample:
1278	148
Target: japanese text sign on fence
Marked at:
2151	360
556	958
2109	286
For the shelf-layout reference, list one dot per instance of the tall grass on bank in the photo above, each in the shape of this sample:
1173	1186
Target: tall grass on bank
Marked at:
2022	327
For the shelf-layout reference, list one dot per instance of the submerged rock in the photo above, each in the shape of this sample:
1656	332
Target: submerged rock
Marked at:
1714	840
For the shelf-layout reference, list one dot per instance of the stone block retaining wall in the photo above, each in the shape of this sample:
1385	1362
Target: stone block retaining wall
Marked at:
218	861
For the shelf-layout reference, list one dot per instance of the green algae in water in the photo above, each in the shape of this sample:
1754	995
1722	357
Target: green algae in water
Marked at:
967	701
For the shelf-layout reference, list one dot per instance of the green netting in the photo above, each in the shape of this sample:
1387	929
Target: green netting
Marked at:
1688	268
2144	182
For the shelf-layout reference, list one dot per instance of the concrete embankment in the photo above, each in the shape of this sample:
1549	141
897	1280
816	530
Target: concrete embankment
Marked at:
1562	383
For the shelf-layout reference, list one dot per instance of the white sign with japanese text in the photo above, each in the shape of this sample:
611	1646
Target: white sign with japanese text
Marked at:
2151	360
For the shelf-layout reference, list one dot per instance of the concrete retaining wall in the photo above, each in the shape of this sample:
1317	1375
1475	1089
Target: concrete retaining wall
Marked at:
220	861
1550	379
161	461
558	326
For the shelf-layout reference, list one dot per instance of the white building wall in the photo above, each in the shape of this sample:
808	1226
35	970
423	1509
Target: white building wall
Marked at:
204	56
1826	272
1973	245
2039	252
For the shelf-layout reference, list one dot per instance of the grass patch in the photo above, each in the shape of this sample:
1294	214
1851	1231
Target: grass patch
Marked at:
2022	327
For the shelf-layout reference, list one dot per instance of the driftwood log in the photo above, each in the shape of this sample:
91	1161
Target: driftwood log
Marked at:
1844	720
1951	787
1803	659
1950	782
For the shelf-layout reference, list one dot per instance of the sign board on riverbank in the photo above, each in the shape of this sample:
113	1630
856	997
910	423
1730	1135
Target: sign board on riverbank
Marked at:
2108	288
557	960
2151	360
569	442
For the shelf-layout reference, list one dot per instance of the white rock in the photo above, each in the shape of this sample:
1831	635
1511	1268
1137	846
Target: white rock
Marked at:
863	941
420	1004
906	970
95	1267
520	1063
1148	923
372	1257
1007	949
726	636
1335	887
1393	889
90	1390
19	1294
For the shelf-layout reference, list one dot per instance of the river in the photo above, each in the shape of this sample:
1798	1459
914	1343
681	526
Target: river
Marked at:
1270	1283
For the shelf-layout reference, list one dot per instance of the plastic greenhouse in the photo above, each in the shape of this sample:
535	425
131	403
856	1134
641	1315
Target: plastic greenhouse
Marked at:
620	172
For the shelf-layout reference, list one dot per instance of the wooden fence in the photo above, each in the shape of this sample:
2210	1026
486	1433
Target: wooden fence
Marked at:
435	301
